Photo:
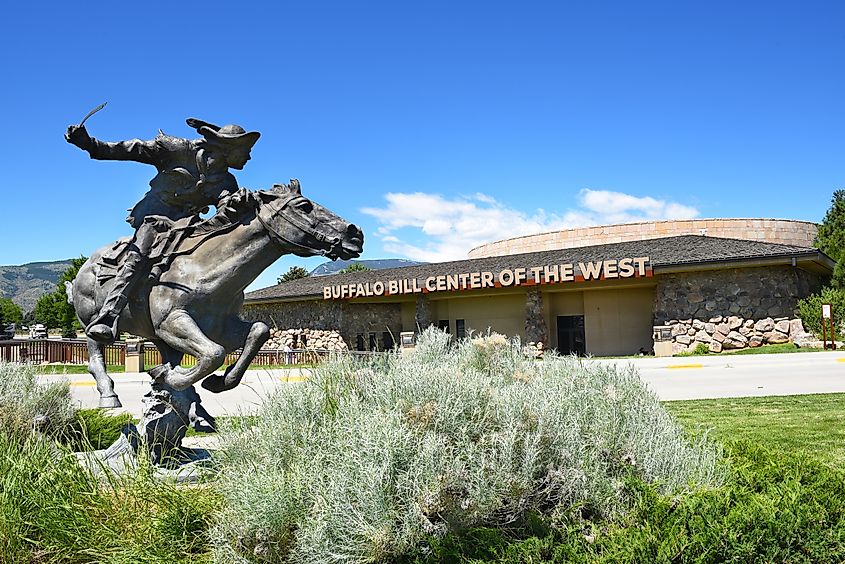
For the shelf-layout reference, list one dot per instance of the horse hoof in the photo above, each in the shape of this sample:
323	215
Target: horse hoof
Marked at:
158	372
214	383
110	401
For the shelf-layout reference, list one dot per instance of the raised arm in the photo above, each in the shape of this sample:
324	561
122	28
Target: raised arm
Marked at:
132	150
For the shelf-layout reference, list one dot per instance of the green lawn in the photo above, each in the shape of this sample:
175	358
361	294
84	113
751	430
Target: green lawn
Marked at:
809	424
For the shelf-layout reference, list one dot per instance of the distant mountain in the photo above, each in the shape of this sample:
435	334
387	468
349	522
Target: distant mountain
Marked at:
28	282
332	267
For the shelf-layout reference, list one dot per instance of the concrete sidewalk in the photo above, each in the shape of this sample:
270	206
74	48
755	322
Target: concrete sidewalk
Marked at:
672	378
131	387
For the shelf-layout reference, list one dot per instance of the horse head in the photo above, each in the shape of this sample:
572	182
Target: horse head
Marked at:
304	228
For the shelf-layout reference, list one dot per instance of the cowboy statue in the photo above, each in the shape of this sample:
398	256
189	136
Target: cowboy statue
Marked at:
192	175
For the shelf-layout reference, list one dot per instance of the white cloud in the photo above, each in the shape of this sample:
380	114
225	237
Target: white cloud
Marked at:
437	229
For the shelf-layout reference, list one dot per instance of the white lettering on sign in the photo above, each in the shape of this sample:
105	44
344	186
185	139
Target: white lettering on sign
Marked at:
607	269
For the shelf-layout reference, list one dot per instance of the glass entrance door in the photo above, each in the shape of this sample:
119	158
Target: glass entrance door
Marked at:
570	334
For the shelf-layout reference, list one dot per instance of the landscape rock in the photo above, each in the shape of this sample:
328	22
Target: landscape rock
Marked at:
715	347
755	341
783	326
775	337
764	325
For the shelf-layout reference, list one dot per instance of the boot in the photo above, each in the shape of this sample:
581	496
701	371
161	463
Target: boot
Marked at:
103	328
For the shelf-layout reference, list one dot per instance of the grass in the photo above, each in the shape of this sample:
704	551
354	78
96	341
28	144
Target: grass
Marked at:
58	369
778	507
774	349
808	424
781	348
784	499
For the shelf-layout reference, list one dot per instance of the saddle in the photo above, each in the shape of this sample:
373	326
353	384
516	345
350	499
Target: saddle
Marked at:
173	238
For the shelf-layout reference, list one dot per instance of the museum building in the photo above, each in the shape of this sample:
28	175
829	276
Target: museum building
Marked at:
595	290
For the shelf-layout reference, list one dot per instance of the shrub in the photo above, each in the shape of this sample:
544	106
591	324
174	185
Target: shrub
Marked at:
363	463
810	311
22	398
776	507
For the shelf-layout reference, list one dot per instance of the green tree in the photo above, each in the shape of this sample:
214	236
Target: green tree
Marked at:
53	310
354	267
294	273
10	312
831	237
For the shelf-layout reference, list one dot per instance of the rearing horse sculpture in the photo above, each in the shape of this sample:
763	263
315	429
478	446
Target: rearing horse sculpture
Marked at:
193	308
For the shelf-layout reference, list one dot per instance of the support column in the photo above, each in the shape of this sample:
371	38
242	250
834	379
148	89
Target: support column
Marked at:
423	313
535	318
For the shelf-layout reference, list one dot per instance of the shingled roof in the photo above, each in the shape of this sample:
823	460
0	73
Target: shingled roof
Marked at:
665	253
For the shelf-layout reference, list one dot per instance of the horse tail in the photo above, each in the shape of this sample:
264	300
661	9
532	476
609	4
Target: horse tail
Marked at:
69	292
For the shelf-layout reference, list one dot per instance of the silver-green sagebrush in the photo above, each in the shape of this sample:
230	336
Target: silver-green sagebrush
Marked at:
362	463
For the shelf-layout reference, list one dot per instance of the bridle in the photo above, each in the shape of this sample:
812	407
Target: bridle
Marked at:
276	207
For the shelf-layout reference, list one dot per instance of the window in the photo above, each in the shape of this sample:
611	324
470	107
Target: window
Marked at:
443	324
373	342
359	342
387	342
460	328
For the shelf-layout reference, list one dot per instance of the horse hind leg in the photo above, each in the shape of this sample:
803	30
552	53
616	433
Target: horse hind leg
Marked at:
181	332
97	369
249	335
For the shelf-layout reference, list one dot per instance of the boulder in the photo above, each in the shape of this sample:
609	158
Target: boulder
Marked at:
764	325
679	329
775	337
782	326
796	327
683	339
719	337
755	341
715	347
734	322
679	348
749	323
703	337
697	324
723	328
717	319
710	327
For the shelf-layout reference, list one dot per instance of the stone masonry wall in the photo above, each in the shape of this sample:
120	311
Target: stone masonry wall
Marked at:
750	293
348	318
732	309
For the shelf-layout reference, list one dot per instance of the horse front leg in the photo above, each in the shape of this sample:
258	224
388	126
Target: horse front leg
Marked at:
247	334
180	331
97	369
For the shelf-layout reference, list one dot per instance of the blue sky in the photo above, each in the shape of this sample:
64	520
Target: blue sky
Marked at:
433	125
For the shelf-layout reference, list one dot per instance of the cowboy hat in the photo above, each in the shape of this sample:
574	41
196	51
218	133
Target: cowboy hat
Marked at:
228	134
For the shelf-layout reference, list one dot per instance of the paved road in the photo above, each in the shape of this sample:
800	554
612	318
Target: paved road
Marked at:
671	378
742	375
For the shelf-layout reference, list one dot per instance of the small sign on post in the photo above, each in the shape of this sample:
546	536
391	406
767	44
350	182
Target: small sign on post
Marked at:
827	322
